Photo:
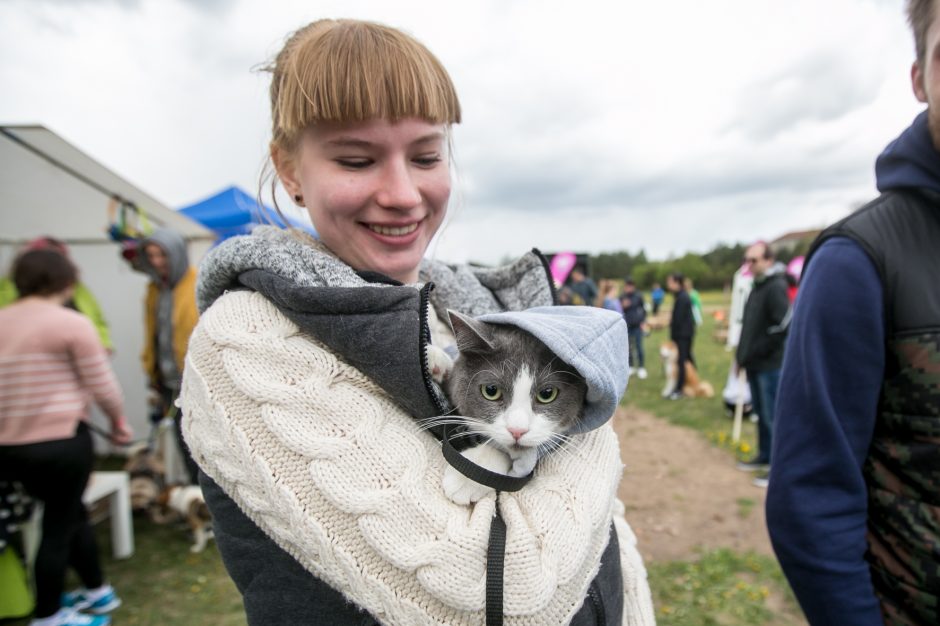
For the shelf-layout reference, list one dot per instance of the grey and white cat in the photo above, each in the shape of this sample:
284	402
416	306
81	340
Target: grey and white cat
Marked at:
512	394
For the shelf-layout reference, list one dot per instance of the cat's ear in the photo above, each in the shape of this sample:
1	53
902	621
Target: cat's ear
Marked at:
470	334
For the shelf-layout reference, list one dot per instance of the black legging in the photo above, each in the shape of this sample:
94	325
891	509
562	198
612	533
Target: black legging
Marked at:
56	472
684	347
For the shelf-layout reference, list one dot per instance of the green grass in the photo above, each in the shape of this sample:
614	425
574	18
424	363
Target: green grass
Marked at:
721	588
164	583
745	506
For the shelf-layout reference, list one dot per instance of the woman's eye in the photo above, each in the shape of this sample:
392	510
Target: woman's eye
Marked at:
354	164
429	160
547	394
491	392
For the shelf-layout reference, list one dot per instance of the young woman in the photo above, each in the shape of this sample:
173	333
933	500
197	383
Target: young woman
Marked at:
306	378
51	363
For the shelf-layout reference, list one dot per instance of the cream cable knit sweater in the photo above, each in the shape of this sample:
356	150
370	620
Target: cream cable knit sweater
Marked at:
327	465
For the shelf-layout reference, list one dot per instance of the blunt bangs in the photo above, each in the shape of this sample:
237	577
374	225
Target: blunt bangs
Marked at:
347	71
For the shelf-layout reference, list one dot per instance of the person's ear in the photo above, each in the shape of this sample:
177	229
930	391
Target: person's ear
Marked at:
285	164
917	82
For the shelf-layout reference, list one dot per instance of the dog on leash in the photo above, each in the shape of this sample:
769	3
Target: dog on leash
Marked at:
694	387
146	476
185	502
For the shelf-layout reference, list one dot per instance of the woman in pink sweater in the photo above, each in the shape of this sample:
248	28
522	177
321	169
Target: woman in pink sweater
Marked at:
52	364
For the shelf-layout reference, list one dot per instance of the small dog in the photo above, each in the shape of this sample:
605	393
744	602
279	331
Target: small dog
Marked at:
185	502
694	387
146	476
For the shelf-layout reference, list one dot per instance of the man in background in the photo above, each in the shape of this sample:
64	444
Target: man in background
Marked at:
657	295
760	347
582	286
853	502
634	314
681	329
170	316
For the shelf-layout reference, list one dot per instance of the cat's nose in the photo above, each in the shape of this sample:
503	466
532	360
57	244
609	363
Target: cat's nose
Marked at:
517	433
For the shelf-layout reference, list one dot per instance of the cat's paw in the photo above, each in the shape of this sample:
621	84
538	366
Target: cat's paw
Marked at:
461	489
439	363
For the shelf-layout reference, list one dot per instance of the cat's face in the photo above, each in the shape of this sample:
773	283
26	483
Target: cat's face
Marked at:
515	391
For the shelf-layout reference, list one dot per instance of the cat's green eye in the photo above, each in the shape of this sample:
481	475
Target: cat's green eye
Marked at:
491	392
547	394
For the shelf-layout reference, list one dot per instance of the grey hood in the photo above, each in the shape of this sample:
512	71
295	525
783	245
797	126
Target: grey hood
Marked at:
174	246
591	340
378	325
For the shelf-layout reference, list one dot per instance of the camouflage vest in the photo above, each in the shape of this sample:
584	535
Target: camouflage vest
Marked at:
900	232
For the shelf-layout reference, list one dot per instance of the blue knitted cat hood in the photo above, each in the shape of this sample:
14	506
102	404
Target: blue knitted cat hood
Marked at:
589	339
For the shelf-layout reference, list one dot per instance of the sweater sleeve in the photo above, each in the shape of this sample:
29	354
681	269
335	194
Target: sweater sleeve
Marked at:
94	369
827	403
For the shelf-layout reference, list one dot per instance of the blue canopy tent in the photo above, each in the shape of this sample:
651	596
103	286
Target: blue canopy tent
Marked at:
233	212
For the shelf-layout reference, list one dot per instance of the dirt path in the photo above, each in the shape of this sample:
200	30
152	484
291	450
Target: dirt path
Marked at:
681	492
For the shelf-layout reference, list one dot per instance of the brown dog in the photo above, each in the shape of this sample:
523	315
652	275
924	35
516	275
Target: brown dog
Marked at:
694	387
185	502
146	476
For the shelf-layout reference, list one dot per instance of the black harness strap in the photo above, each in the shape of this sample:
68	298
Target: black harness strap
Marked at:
495	556
499	482
496	550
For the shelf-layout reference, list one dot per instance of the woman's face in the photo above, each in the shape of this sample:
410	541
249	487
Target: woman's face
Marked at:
376	191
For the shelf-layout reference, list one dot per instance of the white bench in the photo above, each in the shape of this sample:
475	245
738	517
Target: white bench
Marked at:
112	485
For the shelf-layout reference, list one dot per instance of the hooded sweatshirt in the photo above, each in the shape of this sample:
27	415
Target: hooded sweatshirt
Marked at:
170	310
817	503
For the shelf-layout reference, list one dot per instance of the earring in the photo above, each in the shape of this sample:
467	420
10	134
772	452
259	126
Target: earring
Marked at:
299	199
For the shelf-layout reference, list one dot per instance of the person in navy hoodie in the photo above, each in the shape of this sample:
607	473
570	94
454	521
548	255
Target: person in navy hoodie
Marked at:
854	493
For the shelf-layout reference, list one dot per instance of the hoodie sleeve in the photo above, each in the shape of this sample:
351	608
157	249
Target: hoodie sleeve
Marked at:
827	402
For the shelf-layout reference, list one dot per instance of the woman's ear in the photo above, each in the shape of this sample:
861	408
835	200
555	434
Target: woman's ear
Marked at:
286	167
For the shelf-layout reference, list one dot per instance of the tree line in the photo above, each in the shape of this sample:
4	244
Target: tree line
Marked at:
712	270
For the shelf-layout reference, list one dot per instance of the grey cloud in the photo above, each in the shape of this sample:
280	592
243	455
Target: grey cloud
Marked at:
127	4
561	183
819	89
211	6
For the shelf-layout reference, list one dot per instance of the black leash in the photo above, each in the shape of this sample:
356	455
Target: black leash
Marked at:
496	550
103	433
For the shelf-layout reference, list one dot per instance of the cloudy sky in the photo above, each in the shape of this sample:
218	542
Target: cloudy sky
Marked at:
590	125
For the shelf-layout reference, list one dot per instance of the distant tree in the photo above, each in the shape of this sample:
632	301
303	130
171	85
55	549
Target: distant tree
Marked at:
645	274
615	265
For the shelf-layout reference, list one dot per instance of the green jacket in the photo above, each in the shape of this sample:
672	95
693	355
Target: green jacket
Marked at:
82	301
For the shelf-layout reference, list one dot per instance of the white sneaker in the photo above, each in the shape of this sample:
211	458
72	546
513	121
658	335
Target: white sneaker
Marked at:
641	373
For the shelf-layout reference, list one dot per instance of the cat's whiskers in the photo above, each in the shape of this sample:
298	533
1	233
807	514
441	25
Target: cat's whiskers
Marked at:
432	422
557	445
